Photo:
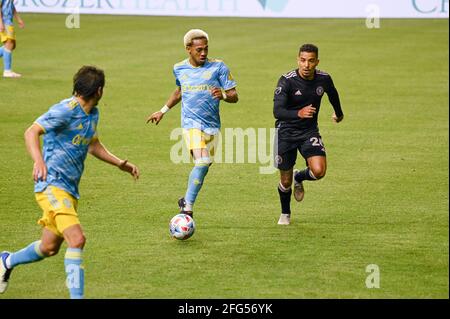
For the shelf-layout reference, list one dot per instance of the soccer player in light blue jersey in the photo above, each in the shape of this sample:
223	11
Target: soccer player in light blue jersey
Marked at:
7	35
70	132
201	84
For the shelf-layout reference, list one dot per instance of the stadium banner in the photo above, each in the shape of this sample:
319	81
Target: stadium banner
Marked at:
246	8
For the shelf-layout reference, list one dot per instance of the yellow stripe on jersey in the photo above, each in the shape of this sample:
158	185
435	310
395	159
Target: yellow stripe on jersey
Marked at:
73	104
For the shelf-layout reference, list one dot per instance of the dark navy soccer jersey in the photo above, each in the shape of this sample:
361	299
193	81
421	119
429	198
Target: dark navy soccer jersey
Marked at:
293	93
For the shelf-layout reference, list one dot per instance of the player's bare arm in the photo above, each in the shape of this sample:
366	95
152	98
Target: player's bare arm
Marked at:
97	149
306	112
32	142
229	96
19	19
2	26
173	100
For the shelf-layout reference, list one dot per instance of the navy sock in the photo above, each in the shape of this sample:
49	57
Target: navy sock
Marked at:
285	199
305	174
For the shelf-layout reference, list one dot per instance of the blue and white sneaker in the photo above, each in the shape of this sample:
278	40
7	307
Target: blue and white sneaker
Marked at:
4	272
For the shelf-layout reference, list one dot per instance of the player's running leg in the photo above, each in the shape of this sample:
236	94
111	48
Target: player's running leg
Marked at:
197	176
317	167
36	251
7	60
73	261
285	191
299	190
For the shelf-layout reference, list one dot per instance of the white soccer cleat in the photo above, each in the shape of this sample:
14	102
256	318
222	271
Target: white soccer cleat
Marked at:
285	219
299	191
4	272
11	74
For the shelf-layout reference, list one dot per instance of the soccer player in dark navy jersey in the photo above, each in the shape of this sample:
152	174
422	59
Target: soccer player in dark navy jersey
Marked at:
297	101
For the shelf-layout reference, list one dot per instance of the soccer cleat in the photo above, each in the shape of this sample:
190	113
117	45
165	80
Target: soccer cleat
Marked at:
285	219
182	205
299	191
11	74
4	272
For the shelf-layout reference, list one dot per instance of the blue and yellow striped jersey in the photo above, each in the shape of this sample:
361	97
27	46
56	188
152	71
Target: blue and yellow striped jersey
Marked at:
7	7
198	108
68	132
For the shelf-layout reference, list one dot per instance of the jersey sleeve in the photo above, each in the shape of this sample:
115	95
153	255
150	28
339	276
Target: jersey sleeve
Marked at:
57	117
333	97
177	82
280	100
225	78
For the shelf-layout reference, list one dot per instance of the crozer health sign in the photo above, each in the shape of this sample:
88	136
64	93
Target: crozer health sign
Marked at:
245	8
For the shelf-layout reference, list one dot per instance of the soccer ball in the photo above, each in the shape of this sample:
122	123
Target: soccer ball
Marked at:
182	226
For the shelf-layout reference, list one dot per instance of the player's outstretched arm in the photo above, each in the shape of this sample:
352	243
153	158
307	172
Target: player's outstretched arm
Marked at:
34	149
97	149
173	100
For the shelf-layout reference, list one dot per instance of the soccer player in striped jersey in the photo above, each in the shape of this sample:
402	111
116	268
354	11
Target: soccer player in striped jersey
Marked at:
201	84
70	132
297	101
7	35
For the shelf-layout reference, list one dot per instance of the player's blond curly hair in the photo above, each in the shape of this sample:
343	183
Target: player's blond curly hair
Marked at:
194	34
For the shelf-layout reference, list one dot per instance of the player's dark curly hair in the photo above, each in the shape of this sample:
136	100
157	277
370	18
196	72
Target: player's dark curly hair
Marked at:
87	81
309	48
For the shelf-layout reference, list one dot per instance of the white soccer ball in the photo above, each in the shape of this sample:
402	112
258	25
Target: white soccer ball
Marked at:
182	226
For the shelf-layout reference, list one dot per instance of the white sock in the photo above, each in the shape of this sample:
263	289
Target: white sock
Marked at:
188	207
283	189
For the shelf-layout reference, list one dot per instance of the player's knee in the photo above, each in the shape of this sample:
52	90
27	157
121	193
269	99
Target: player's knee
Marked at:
77	241
318	171
10	45
286	181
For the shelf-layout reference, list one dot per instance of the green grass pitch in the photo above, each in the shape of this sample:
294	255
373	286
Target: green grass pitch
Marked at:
384	200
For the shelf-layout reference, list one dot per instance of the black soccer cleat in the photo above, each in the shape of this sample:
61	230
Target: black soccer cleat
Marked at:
182	205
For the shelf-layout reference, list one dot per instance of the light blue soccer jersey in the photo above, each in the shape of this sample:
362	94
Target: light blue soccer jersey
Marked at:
198	108
7	11
68	132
